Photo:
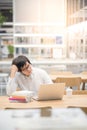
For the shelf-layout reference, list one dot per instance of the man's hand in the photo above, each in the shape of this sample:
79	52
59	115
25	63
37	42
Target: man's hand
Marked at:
14	69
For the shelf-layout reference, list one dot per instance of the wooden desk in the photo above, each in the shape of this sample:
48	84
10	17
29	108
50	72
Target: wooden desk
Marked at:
83	78
74	101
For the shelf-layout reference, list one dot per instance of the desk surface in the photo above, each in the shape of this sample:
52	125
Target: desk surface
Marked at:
74	101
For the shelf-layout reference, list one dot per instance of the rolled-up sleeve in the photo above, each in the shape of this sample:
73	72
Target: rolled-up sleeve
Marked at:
11	86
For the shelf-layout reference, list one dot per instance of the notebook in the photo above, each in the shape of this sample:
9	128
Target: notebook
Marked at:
53	91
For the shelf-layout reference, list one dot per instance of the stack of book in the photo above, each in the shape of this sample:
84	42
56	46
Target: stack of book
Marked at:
21	96
21	99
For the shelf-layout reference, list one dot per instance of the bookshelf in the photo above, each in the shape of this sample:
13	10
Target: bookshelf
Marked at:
77	40
39	40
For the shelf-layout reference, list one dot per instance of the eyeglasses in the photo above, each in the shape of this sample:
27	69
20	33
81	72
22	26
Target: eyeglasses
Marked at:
26	68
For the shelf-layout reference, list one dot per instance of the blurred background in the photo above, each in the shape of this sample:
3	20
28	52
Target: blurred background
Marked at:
51	33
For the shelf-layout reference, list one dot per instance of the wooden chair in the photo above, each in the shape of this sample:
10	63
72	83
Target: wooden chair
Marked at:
84	72
78	92
61	72
69	81
57	73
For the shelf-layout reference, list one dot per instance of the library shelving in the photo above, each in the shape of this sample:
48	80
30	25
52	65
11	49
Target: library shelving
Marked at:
39	40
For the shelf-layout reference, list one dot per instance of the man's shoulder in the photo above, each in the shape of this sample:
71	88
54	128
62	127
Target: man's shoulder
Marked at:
35	69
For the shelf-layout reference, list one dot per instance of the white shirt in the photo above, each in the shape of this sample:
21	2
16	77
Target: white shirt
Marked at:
31	83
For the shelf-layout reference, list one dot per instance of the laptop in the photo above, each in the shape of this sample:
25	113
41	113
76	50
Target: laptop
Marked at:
53	91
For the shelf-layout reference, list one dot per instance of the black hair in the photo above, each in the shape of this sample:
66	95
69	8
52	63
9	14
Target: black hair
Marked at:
20	61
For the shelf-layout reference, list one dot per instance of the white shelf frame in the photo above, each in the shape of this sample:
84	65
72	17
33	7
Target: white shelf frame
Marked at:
52	62
39	46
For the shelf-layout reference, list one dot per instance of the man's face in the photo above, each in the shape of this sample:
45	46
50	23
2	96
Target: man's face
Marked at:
26	69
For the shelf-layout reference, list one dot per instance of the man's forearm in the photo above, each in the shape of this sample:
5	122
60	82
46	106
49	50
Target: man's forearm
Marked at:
12	74
14	69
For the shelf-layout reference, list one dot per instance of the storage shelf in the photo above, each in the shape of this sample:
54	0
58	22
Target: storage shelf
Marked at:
38	46
6	34
40	24
35	35
40	39
52	62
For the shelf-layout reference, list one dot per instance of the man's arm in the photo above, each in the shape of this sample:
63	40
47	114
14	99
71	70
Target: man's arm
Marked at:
12	85
14	69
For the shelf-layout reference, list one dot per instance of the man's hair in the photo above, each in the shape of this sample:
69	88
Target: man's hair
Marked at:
20	61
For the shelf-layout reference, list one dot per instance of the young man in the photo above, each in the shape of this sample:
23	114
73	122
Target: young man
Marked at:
26	77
